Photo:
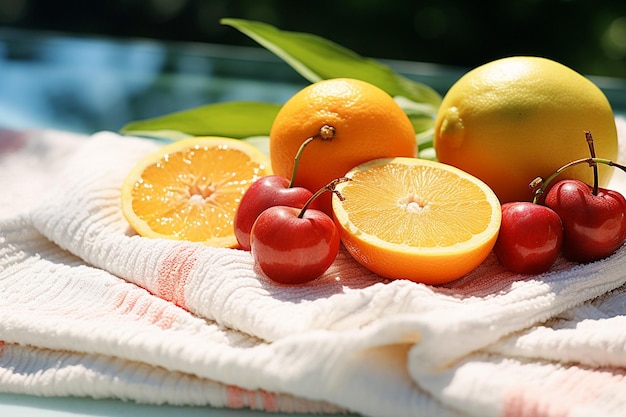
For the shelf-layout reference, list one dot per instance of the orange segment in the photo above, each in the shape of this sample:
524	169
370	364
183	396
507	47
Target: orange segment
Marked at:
190	189
416	219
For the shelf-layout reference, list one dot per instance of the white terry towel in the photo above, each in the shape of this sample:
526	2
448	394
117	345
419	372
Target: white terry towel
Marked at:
87	308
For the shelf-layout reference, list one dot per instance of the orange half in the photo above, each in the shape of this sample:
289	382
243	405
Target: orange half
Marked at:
416	219
190	189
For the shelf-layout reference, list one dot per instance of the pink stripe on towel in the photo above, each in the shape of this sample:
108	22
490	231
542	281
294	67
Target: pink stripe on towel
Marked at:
173	273
237	397
560	395
140	305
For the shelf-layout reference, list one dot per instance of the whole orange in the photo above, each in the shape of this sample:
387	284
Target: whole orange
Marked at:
366	123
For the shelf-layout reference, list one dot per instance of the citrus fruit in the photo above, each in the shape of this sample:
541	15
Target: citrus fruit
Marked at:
364	123
190	189
518	118
416	219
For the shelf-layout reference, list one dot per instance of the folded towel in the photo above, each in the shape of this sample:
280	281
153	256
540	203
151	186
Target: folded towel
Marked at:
88	308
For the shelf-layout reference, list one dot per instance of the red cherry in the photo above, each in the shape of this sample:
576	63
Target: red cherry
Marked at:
266	192
594	225
530	238
291	249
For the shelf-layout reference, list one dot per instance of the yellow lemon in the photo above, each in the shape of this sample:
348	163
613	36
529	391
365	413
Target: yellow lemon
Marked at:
514	119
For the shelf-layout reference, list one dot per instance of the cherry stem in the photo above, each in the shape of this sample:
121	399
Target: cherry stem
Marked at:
326	132
590	161
328	187
592	152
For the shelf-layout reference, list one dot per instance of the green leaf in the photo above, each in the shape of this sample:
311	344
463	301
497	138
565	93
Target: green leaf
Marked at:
235	119
316	59
420	114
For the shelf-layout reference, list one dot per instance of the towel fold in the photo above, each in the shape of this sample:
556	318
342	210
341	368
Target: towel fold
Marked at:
88	308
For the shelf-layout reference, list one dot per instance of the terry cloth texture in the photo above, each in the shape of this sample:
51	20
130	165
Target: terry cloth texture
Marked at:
88	308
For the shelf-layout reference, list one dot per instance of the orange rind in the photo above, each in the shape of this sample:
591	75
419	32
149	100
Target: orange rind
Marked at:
408	218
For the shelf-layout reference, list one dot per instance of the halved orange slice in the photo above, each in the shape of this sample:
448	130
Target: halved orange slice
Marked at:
190	189
416	219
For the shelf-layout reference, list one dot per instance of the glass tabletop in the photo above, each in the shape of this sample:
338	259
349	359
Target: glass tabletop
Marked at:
86	84
13	405
49	80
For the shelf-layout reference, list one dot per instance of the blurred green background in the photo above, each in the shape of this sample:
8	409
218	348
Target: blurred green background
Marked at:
587	35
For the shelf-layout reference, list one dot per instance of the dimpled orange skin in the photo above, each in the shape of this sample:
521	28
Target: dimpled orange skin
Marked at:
512	120
368	124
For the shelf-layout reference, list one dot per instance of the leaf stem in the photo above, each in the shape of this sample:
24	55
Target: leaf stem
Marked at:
328	187
326	132
590	161
592	152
